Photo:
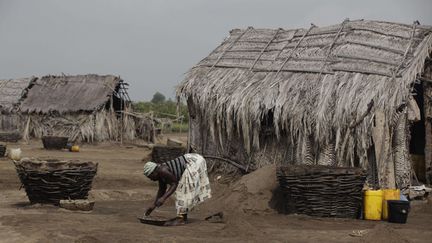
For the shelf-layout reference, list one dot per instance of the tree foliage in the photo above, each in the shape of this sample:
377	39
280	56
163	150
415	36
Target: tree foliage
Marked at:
158	98
162	108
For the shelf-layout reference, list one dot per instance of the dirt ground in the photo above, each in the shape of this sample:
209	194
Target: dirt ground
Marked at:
122	193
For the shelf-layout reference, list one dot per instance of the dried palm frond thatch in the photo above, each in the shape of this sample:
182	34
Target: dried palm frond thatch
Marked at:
65	94
12	92
322	83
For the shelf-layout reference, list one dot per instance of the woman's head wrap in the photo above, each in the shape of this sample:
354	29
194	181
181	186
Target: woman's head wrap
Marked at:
149	167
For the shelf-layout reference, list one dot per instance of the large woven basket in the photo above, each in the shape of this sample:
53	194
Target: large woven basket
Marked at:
49	181
322	191
54	142
13	136
2	150
164	153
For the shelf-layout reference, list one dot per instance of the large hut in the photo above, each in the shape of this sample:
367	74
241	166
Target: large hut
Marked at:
357	93
85	108
12	91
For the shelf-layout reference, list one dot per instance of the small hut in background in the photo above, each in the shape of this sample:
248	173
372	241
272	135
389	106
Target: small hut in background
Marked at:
12	91
85	108
354	94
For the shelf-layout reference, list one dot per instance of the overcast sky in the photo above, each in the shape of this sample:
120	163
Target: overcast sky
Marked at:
152	43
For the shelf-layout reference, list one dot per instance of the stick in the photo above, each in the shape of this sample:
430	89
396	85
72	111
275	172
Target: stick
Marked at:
292	52
263	50
369	108
236	164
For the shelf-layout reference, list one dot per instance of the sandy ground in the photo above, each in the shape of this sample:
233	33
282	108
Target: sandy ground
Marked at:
121	193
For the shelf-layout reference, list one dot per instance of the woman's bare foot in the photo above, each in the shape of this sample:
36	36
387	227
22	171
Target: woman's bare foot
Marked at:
176	221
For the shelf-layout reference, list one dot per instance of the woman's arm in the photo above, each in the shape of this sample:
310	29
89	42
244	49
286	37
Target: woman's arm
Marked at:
161	190
167	194
165	177
172	181
160	193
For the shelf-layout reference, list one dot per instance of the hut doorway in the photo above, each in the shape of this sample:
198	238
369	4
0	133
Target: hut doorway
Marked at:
418	138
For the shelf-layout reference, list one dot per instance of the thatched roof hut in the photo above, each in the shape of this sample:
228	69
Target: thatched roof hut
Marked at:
310	95
84	108
81	107
12	91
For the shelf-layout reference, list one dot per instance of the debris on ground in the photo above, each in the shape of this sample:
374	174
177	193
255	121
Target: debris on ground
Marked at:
358	233
81	205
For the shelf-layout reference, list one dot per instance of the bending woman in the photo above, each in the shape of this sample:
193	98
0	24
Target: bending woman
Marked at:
186	176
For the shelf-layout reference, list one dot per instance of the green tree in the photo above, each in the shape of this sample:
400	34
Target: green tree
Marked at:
158	98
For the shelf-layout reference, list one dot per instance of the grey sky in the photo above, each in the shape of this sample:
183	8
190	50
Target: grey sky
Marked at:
151	44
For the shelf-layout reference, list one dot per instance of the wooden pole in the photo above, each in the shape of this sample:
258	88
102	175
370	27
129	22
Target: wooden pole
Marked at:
428	149
122	119
427	111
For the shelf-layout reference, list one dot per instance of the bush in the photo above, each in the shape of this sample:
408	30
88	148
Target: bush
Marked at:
179	127
162	108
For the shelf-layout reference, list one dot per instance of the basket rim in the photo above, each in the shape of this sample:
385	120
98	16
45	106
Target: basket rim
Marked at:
43	137
53	164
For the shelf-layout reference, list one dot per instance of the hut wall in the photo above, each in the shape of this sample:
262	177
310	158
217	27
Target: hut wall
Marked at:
80	127
77	126
394	169
270	151
87	126
144	128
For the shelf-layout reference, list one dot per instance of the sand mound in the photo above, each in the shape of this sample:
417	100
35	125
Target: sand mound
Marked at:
251	194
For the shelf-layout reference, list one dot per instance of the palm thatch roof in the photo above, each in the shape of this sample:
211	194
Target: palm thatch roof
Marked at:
324	82
12	91
70	93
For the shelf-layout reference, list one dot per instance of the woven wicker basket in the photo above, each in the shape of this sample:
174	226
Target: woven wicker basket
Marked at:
53	142
49	181
2	150
10	136
164	153
322	191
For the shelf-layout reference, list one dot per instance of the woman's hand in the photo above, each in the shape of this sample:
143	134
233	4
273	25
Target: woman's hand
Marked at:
150	210
158	203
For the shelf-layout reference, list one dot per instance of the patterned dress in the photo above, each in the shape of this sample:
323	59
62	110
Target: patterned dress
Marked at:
194	185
